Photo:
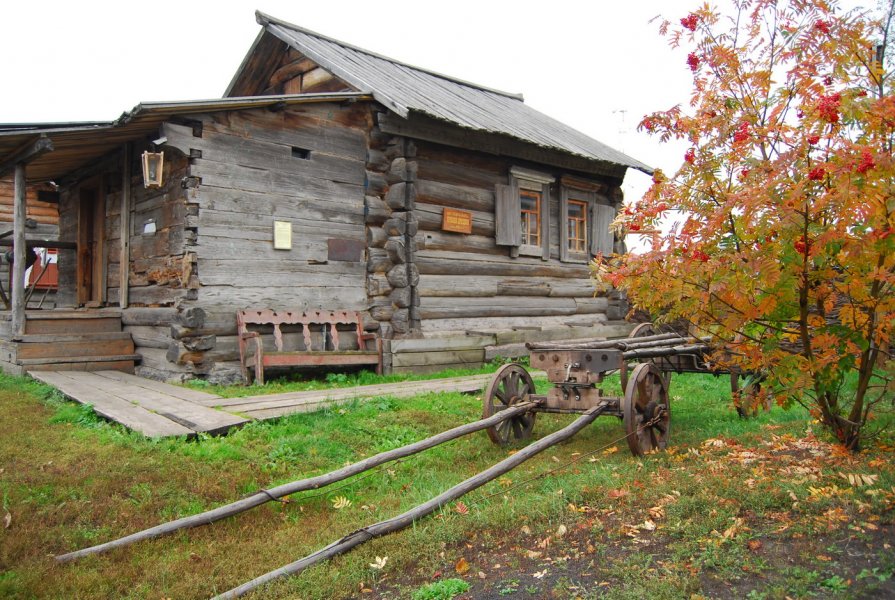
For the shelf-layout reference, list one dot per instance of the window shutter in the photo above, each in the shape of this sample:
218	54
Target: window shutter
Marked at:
564	224
507	216
601	238
545	221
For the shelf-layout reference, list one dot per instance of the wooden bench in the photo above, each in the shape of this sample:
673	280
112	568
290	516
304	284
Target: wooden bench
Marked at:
321	336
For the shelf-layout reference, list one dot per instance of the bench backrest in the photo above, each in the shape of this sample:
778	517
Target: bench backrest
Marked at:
332	318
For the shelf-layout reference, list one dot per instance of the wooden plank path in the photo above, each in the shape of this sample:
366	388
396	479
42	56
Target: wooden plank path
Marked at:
153	408
158	409
270	406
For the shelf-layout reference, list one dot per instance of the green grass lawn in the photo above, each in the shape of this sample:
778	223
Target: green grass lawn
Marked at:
759	508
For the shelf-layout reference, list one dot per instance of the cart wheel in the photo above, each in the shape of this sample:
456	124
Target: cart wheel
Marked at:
642	330
510	385
646	402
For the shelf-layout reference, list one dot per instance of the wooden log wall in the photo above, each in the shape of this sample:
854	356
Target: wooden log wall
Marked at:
304	165
468	282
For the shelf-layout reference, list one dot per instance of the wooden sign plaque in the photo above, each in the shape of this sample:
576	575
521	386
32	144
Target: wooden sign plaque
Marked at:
458	221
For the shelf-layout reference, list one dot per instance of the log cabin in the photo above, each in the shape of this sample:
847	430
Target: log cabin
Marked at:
453	217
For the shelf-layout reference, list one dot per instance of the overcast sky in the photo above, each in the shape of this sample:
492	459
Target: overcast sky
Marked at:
597	65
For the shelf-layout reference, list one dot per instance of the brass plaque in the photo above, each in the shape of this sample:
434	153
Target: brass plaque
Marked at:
458	221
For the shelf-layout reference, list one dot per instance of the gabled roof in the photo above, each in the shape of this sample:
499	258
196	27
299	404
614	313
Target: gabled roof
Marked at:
406	89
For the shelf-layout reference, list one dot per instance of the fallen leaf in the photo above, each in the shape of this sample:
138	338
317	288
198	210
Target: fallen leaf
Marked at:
7	520
461	508
732	531
482	575
545	543
657	513
561	531
539	574
648	526
611	450
859	479
379	563
526	530
754	545
462	566
340	502
533	554
616	494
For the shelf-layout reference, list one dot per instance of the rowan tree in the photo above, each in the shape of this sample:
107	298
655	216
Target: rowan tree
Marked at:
782	246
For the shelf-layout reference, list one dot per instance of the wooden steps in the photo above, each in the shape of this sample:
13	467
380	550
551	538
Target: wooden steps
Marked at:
72	340
153	408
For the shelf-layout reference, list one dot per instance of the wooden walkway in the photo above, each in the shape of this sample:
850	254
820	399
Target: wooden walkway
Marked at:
270	406
158	409
153	408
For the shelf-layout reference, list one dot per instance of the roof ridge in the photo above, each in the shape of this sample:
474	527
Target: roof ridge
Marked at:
264	20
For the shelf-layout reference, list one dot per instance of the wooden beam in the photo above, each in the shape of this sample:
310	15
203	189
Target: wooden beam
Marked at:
18	265
125	218
431	130
25	154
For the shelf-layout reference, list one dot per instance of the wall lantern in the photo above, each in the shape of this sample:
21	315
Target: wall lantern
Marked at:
153	166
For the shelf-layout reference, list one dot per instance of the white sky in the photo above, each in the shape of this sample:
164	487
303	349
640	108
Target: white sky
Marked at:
596	65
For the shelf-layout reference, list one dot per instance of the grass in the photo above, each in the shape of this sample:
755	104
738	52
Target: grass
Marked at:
736	508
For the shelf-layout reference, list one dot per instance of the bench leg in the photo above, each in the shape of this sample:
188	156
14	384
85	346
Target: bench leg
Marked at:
259	372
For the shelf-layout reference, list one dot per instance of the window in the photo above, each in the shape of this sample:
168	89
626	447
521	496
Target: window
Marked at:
522	213
576	238
531	217
585	215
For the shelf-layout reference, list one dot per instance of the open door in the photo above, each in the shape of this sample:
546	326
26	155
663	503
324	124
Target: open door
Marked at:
91	256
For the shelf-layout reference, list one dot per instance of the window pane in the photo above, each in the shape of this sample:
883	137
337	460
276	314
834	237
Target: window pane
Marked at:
531	217
577	226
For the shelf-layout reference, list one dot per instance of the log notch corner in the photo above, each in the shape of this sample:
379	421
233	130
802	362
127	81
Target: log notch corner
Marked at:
393	276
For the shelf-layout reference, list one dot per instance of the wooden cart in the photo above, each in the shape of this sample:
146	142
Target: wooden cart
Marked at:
577	371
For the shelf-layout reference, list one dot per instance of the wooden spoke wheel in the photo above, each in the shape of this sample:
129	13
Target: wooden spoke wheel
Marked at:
510	385
642	330
646	411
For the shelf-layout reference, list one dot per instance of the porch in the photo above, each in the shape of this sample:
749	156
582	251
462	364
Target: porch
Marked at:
66	339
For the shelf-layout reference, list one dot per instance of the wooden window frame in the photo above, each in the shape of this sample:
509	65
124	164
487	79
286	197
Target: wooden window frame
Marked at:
525	181
576	227
600	213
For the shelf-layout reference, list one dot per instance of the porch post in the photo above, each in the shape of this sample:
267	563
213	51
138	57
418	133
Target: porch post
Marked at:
18	264
125	220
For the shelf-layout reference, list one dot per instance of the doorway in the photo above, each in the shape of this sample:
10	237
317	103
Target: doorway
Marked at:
91	281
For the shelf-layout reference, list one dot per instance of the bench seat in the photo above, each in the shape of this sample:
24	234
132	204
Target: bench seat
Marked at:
324	343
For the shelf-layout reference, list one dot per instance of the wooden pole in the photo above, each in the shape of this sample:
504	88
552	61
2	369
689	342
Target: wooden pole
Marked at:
601	344
125	214
312	483
403	520
18	264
